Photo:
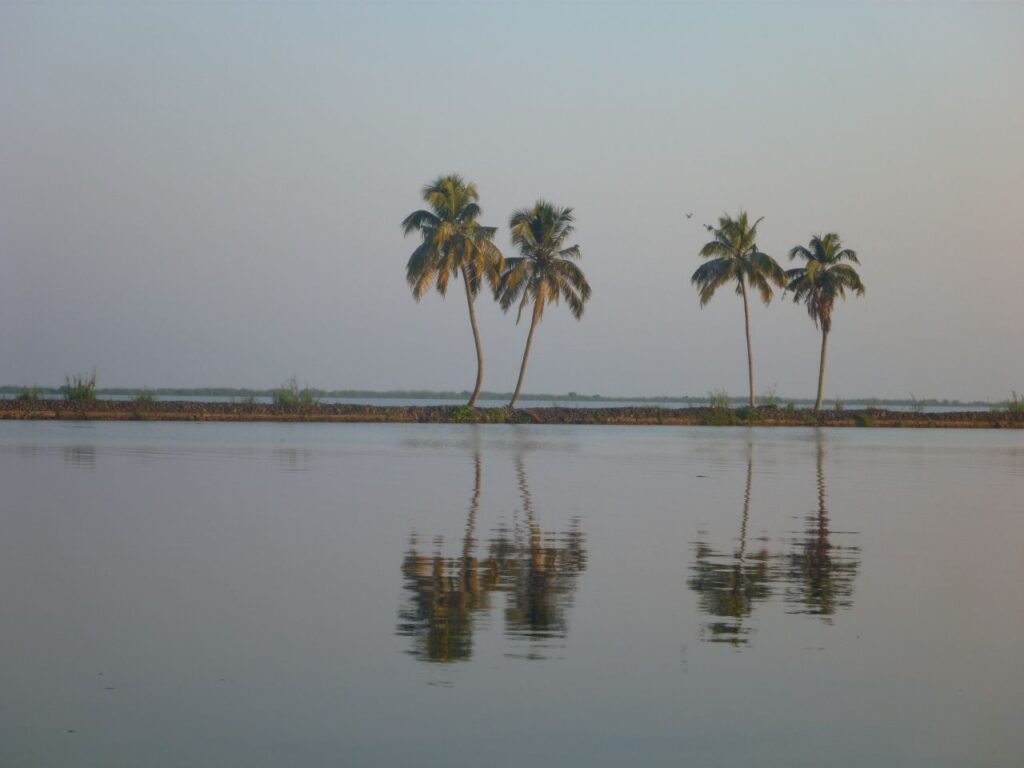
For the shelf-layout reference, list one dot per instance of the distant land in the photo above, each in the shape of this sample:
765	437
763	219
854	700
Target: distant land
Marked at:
243	393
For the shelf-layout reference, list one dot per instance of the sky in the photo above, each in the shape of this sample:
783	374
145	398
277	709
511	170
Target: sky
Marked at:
210	193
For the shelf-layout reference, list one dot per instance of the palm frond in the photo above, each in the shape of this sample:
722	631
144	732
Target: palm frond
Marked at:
417	221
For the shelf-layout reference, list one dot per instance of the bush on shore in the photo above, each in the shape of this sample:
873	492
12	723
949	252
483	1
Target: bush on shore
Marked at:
29	394
79	387
290	394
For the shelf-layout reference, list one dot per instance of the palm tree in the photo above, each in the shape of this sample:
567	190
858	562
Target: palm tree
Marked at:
544	271
734	256
454	244
819	283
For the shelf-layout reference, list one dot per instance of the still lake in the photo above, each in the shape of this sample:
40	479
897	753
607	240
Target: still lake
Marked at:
453	595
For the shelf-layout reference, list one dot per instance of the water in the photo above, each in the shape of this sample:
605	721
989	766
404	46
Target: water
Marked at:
316	594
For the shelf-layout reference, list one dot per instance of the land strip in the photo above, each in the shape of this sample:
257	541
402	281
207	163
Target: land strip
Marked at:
125	410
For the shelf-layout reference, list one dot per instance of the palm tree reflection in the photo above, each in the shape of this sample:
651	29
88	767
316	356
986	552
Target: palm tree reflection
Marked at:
728	586
536	572
815	576
443	593
820	574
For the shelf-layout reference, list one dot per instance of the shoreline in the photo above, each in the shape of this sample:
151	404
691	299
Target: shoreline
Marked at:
179	410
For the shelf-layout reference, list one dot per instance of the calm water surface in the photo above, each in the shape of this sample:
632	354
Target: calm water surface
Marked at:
324	595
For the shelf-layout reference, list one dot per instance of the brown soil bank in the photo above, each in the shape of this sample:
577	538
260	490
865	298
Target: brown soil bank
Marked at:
124	410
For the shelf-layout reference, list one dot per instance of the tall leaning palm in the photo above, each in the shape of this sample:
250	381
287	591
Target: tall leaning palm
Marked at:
454	244
544	271
734	257
818	284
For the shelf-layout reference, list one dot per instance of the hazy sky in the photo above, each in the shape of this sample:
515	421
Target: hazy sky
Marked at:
210	194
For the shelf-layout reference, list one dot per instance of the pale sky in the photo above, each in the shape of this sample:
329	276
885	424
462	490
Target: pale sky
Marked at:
209	194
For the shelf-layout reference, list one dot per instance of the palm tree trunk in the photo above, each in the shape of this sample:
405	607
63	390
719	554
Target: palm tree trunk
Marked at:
750	351
476	340
526	353
821	370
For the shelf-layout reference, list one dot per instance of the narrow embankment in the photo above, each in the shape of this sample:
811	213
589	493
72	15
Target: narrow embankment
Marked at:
126	410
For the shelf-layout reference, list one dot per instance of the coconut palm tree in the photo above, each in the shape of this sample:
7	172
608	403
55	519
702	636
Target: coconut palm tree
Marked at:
454	244
733	257
819	282
544	271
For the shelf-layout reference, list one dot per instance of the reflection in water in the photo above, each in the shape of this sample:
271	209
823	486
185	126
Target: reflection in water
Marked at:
815	576
535	571
538	572
820	574
444	592
727	586
81	456
291	459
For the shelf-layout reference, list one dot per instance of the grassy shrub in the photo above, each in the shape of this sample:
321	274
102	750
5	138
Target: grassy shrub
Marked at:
719	412
718	399
290	394
1015	405
497	415
864	419
917	403
79	387
838	405
145	395
714	417
790	407
770	399
463	413
29	394
748	415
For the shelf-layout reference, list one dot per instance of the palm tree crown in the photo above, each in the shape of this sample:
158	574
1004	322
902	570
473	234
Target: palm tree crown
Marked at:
453	240
734	255
544	271
824	277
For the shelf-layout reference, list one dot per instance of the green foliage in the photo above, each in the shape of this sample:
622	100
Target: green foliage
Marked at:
719	412
463	413
716	417
733	256
838	405
791	407
79	387
290	394
453	240
544	271
748	415
146	395
28	394
824	277
770	399
718	400
864	419
1015	405
917	404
